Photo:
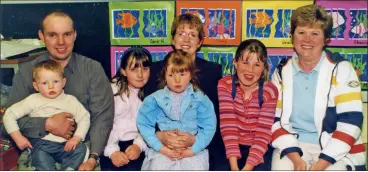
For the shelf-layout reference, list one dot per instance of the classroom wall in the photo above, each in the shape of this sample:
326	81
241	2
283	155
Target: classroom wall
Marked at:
91	22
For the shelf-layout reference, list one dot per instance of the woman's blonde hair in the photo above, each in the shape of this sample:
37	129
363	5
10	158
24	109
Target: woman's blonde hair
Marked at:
309	15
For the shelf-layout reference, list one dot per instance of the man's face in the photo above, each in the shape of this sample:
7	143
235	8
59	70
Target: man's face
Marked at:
59	36
186	39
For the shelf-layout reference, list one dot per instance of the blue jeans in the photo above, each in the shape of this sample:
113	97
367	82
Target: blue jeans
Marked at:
46	153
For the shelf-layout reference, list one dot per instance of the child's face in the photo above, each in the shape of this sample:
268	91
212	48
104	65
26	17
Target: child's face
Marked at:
50	84
177	81
249	70
137	76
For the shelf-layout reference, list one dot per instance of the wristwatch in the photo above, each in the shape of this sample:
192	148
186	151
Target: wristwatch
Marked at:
96	157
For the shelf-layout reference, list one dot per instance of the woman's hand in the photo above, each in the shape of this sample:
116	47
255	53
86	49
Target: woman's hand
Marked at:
298	162
176	140
321	165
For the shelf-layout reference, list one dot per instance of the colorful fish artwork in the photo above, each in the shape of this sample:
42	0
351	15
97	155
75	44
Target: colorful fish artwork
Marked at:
127	20
125	23
350	22
259	23
338	22
137	23
260	19
283	26
221	19
154	23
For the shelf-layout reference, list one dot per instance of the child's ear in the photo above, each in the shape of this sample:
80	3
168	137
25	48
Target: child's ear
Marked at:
64	82
35	86
235	64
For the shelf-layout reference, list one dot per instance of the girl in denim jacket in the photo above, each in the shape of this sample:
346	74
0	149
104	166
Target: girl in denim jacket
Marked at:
179	105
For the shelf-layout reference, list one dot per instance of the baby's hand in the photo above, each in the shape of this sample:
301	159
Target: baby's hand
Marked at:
72	143
133	152
186	153
21	141
171	154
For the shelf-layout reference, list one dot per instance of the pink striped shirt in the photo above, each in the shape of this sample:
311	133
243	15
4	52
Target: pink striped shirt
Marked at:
244	122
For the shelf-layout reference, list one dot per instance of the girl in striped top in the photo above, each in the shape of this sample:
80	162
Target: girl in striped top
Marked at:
247	109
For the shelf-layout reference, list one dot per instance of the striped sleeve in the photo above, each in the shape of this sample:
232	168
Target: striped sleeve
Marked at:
349	106
282	140
228	120
263	131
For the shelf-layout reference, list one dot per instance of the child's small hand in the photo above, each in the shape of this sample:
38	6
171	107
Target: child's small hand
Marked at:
133	152
186	153
119	159
21	141
72	143
171	154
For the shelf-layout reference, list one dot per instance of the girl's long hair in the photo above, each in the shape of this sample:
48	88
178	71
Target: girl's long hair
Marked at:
141	58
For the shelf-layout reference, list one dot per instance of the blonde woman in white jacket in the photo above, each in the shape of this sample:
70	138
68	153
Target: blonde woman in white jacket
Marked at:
319	112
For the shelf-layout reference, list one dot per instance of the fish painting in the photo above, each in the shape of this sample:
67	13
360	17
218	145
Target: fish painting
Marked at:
337	18
261	20
127	20
199	15
359	29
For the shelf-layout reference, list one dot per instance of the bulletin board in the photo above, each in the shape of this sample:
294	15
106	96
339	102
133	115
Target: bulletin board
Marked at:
221	19
137	23
158	53
349	27
269	21
358	57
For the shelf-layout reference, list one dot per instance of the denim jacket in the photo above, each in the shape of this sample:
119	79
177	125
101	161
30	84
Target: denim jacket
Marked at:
197	117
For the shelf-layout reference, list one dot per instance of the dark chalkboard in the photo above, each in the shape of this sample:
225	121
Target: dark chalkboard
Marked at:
90	19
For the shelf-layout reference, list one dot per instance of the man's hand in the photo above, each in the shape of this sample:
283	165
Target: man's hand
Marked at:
61	125
171	154
72	143
21	141
89	165
119	158
133	152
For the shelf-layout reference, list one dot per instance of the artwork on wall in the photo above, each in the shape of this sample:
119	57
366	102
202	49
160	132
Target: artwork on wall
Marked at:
158	53
137	23
269	21
221	19
221	55
275	55
350	22
358	57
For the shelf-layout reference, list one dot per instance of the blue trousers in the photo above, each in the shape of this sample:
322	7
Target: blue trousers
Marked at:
46	153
